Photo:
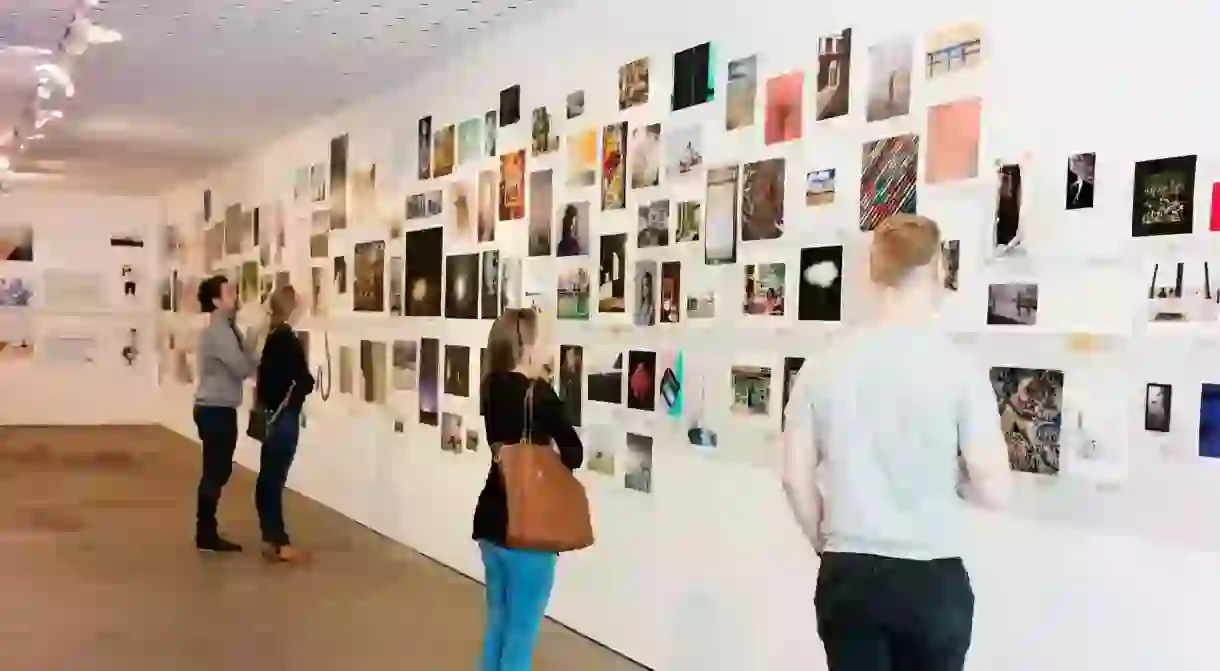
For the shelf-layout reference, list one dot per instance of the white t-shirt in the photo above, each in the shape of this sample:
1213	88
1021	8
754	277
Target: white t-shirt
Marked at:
899	425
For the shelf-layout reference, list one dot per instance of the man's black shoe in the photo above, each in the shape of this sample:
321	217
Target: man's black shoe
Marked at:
216	544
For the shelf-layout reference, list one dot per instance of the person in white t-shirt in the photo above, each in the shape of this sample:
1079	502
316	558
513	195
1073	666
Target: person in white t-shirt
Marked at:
885	434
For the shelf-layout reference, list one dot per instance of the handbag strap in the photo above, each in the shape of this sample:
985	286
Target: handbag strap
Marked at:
527	433
283	404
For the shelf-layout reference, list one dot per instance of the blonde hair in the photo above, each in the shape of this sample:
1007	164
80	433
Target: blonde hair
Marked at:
512	332
282	303
902	243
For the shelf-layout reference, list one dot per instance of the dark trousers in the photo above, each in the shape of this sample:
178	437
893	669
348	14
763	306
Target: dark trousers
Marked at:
884	614
279	449
218	433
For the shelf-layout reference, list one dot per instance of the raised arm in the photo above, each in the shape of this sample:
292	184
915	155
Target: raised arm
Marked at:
240	359
986	476
802	456
551	416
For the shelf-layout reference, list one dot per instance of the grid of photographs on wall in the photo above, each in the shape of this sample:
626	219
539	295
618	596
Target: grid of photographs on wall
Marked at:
590	214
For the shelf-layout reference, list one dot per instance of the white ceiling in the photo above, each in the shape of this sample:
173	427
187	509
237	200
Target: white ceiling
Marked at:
196	83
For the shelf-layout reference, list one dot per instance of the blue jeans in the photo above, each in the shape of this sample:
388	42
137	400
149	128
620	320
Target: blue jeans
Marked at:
279	449
518	588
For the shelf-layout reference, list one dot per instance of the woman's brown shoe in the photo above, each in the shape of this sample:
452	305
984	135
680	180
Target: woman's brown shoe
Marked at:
284	554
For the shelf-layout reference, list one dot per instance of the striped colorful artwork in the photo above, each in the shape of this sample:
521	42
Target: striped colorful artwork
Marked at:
887	179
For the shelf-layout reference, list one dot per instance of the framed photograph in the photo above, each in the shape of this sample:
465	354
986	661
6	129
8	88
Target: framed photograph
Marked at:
1158	404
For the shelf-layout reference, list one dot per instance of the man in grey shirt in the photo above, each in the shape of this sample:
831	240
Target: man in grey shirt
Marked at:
226	359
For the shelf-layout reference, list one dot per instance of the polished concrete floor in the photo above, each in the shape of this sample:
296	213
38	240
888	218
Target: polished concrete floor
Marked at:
98	573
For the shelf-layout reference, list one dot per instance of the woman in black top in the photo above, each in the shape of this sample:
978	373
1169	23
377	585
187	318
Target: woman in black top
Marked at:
283	383
518	581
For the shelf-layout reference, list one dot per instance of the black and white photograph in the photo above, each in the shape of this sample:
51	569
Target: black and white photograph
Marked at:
457	370
653	225
1158	407
1012	304
510	106
637	466
612	274
1080	181
571	380
821	293
462	286
645	310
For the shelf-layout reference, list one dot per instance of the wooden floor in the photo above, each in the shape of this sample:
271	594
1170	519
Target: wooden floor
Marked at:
98	573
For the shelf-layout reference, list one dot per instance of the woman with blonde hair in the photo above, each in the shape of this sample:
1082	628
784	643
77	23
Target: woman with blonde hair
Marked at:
884	435
283	383
517	402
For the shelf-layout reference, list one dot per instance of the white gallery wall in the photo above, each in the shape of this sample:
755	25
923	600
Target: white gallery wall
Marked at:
68	356
1111	564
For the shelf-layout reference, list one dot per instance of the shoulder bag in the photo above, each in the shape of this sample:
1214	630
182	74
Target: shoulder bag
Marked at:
259	425
548	510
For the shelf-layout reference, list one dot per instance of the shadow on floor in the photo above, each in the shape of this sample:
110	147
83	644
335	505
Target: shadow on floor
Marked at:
99	574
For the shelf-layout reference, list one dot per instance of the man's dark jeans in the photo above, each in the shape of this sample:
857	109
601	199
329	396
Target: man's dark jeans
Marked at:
279	449
218	433
885	614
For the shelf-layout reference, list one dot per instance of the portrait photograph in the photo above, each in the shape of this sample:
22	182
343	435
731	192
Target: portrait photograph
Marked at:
645	310
573	230
1080	181
653	224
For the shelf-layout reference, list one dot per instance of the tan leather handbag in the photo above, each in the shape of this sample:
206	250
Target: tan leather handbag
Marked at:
548	509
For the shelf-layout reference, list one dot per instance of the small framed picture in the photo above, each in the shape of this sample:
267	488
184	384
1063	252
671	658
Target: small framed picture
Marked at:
1158	402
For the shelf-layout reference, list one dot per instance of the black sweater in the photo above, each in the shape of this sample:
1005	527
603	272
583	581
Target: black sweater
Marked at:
503	401
283	363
